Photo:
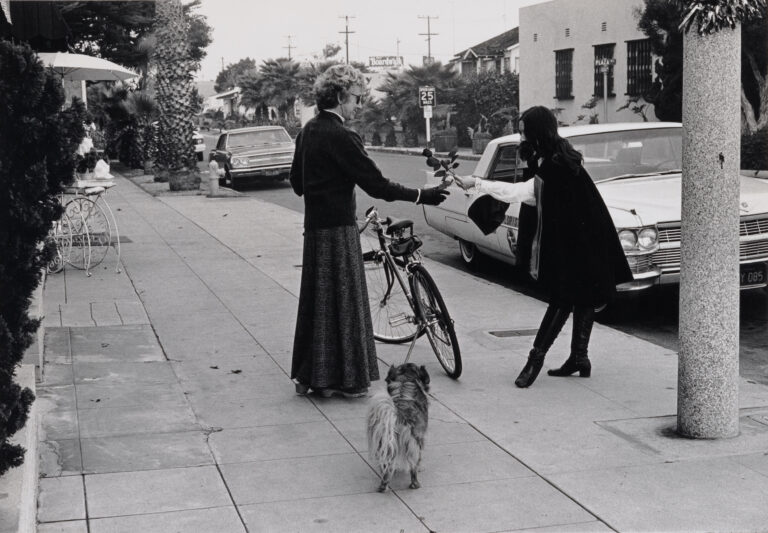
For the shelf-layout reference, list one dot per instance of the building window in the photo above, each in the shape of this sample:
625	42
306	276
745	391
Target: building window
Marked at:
603	52
535	37
506	67
604	26
564	74
567	32
639	74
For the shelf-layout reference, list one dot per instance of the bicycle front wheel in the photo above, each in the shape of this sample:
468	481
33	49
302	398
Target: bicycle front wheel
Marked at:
393	318
91	232
439	325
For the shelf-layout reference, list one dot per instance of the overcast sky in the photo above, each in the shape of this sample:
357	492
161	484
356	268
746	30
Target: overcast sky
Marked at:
260	28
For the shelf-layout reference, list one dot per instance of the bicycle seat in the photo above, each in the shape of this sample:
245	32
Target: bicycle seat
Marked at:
398	226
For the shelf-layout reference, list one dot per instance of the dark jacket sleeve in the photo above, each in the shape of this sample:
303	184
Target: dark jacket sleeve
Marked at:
355	162
297	168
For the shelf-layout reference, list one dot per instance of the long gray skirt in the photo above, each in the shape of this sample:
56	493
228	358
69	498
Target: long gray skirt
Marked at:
333	345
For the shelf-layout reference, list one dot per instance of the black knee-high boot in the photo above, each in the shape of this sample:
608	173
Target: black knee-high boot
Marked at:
583	319
549	329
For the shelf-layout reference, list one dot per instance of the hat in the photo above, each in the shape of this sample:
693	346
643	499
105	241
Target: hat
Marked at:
487	213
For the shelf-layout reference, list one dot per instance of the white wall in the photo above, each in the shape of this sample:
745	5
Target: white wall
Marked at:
584	18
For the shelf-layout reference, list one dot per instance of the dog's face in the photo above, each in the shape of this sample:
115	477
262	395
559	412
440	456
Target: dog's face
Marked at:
408	372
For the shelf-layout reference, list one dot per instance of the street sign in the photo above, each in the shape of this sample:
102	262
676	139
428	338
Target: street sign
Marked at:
427	96
427	111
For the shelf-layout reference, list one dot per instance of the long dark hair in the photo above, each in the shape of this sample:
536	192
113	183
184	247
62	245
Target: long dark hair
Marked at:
540	129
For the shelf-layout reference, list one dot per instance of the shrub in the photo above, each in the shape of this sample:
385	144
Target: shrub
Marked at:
754	155
37	158
376	139
391	138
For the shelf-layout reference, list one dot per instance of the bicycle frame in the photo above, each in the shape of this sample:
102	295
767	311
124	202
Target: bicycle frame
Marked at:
395	264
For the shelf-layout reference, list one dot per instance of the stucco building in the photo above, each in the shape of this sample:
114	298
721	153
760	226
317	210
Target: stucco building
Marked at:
560	43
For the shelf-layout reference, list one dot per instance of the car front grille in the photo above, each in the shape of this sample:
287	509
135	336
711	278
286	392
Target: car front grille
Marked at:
639	264
273	159
747	226
669	258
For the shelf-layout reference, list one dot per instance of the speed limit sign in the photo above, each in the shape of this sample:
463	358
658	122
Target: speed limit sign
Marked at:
427	96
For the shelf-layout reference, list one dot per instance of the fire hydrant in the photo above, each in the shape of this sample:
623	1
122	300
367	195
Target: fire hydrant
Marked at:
213	177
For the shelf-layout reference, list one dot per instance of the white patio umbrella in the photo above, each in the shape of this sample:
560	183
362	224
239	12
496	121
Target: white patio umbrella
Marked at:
81	67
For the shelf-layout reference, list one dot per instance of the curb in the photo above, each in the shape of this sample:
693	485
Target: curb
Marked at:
18	487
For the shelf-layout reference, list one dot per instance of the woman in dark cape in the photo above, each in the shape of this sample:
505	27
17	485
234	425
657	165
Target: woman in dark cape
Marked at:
576	254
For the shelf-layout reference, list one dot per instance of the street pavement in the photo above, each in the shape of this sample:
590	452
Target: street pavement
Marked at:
166	405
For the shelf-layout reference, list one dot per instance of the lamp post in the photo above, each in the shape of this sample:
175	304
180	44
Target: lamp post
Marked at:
605	64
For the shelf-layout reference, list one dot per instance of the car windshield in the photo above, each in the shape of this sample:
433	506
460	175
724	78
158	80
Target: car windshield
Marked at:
624	154
256	138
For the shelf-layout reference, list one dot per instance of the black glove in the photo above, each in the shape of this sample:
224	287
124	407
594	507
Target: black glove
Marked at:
527	150
432	196
531	158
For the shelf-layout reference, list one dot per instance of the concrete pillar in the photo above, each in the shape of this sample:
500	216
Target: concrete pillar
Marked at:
708	372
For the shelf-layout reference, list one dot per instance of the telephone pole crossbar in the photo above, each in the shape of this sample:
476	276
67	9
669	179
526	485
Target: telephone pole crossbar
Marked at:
429	35
289	47
346	33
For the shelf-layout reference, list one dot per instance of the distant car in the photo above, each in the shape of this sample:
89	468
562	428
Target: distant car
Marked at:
264	152
637	169
199	143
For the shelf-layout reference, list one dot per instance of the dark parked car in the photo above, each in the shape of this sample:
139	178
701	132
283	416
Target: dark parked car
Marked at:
263	152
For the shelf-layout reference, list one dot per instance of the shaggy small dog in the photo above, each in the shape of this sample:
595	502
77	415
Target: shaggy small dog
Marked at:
397	423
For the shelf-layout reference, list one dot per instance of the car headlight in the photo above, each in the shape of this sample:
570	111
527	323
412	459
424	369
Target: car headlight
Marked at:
238	162
628	239
647	238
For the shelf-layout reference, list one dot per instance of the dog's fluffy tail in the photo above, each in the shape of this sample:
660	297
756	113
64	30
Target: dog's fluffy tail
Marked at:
382	437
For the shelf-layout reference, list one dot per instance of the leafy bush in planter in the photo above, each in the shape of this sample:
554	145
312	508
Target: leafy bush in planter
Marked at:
37	158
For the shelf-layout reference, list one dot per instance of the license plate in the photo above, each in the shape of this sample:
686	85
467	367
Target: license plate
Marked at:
753	275
272	172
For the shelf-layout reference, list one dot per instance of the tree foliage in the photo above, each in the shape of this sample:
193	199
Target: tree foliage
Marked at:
492	95
114	30
661	20
275	84
402	92
37	158
232	75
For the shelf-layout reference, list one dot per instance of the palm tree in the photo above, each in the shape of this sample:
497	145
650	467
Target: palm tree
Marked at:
175	155
708	369
402	91
279	86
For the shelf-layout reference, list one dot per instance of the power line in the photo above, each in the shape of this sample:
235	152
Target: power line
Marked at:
346	33
289	47
429	35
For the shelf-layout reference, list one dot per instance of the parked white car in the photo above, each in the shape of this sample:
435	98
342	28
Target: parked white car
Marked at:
636	168
199	143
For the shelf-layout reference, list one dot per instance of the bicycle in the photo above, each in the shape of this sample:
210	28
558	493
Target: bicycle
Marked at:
404	298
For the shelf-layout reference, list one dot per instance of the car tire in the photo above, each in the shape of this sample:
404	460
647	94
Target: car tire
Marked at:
470	254
228	181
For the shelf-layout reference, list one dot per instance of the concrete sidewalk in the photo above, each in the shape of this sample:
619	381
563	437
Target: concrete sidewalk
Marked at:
166	405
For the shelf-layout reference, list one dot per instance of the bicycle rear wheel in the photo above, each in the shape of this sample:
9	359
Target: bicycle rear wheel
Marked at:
439	325
391	314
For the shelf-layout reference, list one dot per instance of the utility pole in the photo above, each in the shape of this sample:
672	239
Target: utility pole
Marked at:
289	47
429	35
346	33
